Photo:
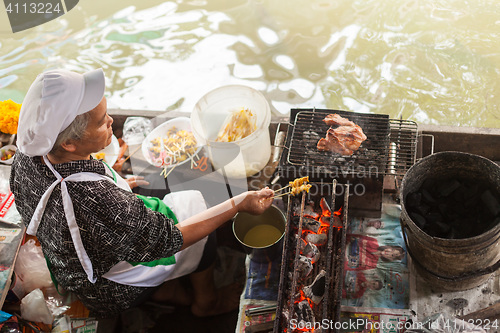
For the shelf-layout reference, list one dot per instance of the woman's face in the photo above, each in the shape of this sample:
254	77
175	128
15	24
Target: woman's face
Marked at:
391	253
99	132
373	284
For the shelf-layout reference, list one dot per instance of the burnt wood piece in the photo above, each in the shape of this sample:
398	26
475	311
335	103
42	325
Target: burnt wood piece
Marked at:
309	250
325	206
311	225
308	211
303	268
304	313
316	290
337	222
317	239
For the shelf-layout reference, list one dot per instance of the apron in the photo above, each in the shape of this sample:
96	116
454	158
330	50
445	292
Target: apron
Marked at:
184	204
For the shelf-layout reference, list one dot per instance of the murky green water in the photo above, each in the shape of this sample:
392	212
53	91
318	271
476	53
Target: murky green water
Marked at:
435	62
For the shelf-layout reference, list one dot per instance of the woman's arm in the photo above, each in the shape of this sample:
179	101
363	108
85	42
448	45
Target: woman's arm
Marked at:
198	226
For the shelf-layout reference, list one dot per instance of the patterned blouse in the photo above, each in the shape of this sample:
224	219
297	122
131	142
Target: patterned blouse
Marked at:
114	226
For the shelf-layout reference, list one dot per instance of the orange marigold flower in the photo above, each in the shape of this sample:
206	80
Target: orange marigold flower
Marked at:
9	116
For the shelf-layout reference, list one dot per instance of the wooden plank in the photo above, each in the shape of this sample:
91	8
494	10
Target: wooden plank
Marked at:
474	140
432	138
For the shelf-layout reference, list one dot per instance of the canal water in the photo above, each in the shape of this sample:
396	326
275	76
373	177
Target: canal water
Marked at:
434	62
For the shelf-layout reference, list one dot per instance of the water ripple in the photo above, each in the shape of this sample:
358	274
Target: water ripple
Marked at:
434	62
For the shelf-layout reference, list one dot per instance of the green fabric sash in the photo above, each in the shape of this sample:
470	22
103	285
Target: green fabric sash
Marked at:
157	205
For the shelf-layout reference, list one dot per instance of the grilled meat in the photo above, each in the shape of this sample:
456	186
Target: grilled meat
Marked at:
333	144
298	189
351	136
299	181
334	119
343	140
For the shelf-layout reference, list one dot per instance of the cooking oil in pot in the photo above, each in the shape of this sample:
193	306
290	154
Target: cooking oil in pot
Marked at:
262	235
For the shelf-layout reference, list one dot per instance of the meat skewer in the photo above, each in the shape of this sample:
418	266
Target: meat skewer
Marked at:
301	188
296	186
296	190
297	182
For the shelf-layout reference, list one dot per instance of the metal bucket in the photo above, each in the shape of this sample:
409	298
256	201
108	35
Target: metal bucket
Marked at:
451	264
261	235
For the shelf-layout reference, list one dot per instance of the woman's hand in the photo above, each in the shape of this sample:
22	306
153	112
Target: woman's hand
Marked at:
255	202
202	224
135	181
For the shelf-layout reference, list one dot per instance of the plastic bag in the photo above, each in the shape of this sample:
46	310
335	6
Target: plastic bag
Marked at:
135	129
31	268
34	308
4	316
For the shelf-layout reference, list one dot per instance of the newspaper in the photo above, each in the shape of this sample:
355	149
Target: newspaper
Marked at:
375	267
374	320
83	325
261	290
376	290
245	320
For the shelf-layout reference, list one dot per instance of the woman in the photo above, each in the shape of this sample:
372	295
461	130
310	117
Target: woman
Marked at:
364	252
100	240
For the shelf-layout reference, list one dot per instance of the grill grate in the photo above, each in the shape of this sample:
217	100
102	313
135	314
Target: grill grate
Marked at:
332	258
390	148
402	147
308	127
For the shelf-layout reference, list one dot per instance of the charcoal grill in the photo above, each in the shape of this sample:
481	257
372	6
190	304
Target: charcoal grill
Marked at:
390	149
308	127
331	260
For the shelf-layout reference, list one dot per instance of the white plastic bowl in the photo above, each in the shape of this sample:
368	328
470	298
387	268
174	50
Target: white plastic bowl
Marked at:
111	151
4	149
180	123
241	158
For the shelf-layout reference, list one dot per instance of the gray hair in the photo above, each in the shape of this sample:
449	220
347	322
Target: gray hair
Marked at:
75	131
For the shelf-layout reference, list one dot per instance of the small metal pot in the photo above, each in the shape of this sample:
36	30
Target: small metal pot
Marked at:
244	222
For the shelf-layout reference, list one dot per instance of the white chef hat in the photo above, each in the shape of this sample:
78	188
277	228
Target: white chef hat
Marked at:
53	101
